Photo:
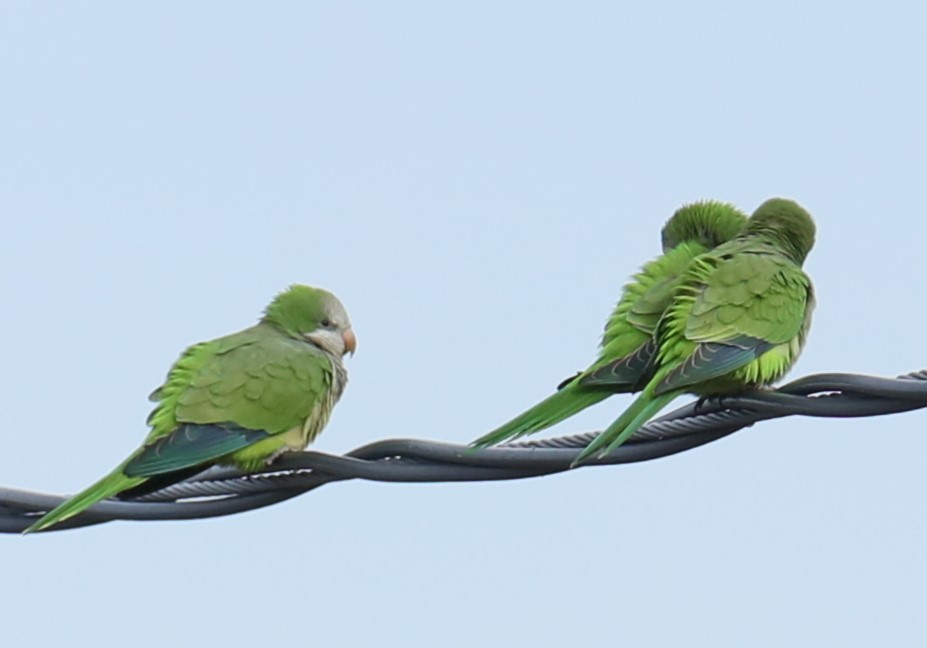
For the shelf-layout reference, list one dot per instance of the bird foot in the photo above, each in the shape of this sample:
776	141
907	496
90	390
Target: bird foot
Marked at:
700	403
703	401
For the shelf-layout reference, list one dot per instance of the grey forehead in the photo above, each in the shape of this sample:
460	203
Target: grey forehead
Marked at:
335	309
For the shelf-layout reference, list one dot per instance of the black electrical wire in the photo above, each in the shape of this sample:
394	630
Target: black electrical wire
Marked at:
224	491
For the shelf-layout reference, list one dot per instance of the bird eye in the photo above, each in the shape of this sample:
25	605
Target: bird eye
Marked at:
326	322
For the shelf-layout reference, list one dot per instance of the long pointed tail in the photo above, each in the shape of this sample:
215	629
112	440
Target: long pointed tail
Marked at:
639	412
550	411
112	484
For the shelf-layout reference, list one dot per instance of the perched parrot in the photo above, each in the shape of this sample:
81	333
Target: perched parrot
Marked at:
239	400
737	320
626	346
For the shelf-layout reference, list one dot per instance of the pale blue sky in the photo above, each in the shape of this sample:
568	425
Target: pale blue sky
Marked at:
476	183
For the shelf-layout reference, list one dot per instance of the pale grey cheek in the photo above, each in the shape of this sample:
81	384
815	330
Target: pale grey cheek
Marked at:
333	342
328	341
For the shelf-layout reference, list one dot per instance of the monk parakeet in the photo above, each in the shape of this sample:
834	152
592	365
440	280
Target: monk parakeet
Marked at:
737	320
239	400
627	347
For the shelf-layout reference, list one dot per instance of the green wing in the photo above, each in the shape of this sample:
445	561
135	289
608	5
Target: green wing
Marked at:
745	306
189	446
250	385
628	347
625	373
644	299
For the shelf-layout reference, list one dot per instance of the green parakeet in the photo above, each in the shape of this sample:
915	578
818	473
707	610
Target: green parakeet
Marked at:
737	320
239	400
627	347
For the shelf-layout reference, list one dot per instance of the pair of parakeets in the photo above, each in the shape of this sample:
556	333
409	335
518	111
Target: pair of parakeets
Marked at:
726	307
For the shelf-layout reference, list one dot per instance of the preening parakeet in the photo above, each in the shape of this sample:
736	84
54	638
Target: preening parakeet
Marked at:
239	400
627	346
737	320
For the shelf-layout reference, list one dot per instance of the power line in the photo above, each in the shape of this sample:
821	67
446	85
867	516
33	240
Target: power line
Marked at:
224	491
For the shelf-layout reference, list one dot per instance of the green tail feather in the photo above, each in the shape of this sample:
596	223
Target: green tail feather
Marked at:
550	411
639	412
114	483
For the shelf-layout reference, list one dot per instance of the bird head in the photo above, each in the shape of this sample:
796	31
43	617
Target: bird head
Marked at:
315	316
708	222
788	223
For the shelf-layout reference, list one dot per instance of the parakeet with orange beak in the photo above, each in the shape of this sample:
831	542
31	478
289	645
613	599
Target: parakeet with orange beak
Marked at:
240	400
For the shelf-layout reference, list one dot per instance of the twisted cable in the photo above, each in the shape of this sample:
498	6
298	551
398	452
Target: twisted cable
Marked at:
224	491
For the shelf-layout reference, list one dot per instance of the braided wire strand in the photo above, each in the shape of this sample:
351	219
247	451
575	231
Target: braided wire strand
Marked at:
225	491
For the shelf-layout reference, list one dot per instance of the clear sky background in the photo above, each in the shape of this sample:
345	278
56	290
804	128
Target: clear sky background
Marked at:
476	183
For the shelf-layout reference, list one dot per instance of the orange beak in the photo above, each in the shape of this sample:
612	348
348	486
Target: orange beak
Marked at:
350	341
